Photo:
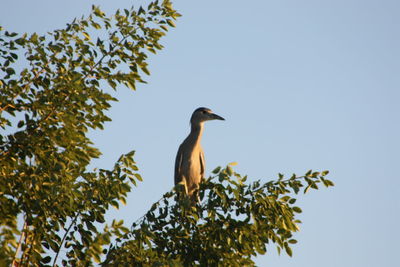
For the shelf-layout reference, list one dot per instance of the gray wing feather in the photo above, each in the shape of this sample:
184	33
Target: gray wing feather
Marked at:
178	165
202	164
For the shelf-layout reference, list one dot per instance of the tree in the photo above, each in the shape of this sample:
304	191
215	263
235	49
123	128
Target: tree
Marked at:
233	223
46	110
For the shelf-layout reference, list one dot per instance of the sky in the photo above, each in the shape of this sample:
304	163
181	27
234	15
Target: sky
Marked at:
302	85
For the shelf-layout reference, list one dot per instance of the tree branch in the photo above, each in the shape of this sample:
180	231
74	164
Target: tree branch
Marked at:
15	263
65	236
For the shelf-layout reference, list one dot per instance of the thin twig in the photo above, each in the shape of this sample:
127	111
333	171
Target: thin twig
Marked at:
24	252
65	236
28	254
24	88
14	263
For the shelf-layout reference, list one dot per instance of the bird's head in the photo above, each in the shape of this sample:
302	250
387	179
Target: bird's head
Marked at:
203	114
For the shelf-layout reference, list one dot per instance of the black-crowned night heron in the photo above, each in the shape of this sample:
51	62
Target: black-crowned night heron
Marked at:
189	163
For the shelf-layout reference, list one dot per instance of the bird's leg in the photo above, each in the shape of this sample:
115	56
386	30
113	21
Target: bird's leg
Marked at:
185	185
194	195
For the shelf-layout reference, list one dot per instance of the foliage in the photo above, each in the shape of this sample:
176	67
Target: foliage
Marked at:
46	111
234	222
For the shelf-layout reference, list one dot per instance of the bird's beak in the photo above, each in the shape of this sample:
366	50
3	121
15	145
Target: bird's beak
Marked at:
216	117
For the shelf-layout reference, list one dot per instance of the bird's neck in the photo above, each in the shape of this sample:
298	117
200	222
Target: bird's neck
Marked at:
195	133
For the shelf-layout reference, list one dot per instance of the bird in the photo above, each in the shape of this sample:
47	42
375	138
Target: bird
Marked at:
189	162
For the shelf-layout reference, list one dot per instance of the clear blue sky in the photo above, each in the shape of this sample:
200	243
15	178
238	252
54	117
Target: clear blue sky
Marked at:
302	85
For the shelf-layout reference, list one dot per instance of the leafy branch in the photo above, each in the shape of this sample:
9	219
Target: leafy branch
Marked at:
50	105
233	222
63	238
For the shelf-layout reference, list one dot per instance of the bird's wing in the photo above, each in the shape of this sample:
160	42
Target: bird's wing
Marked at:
178	165
202	164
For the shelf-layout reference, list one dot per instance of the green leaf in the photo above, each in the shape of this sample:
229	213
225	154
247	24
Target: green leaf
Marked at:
96	26
46	259
34	38
131	85
229	170
10	71
138	177
289	251
20	124
216	170
285	198
87	36
324	173
307	188
297	209
330	183
145	70
171	23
